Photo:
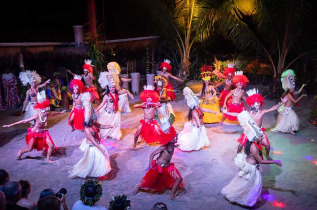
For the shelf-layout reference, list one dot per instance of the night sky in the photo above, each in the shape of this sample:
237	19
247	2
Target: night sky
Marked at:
26	21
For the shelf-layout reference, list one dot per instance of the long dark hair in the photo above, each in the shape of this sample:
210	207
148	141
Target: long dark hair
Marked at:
203	90
190	113
25	185
247	147
108	91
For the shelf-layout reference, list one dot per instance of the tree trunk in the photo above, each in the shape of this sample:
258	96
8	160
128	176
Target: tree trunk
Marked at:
184	67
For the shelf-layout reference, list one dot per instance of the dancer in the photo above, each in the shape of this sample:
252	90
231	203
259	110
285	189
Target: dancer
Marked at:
210	100
32	78
38	137
166	69
123	93
110	114
95	161
255	101
149	128
245	188
235	104
165	111
227	83
77	115
287	120
89	77
194	136
162	174
10	87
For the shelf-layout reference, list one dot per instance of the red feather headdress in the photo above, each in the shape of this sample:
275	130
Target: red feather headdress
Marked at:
77	82
166	64
42	105
254	97
239	77
149	93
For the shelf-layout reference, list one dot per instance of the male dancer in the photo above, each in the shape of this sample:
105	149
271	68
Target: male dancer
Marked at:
255	101
227	83
166	69
77	116
162	174
38	137
235	105
149	129
89	77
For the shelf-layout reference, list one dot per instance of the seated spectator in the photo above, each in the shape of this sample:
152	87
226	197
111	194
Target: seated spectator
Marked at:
119	202
159	206
24	201
4	178
12	192
2	200
51	199
90	193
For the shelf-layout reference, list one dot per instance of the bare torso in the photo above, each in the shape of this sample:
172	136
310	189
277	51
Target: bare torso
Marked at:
166	155
228	84
88	80
40	122
209	93
257	117
166	75
237	94
77	101
149	112
289	103
32	93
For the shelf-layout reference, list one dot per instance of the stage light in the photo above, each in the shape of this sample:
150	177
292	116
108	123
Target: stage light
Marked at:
268	197
271	148
309	158
278	204
277	152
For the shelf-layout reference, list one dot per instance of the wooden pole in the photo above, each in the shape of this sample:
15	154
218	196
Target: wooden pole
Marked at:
92	16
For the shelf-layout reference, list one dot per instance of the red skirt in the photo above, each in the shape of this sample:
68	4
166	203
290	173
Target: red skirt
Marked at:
170	91
79	118
223	96
236	108
243	138
160	178
93	92
39	139
152	133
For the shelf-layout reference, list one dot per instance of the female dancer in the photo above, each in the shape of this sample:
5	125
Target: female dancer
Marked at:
95	161
287	120
194	136
166	69
210	102
32	78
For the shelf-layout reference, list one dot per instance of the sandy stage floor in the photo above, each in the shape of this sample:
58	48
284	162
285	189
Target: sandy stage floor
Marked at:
205	172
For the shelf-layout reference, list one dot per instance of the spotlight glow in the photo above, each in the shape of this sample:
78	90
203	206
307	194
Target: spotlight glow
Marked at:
278	204
277	152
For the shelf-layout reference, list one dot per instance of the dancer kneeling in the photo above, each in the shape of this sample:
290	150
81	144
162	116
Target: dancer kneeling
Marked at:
194	136
95	161
149	128
162	174
38	137
245	188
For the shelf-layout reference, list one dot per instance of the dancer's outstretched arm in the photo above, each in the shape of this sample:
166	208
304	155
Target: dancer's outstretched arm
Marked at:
21	121
297	100
123	91
208	110
176	78
103	103
275	107
44	84
234	114
300	90
93	141
70	72
255	152
56	113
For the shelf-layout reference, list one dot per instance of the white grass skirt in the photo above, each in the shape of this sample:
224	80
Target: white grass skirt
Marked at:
110	119
30	112
287	121
124	103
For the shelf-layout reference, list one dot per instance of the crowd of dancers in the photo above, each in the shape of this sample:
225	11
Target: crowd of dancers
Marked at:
156	127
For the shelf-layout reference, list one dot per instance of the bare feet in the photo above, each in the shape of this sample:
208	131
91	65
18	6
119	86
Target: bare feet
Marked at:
19	155
172	196
136	189
293	133
50	161
72	129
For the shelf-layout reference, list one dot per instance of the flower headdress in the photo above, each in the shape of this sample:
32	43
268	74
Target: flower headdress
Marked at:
191	98
77	82
160	81
90	200
239	77
108	79
166	64
29	77
250	128
229	70
114	67
254	97
149	92
120	200
288	79
88	67
42	101
206	72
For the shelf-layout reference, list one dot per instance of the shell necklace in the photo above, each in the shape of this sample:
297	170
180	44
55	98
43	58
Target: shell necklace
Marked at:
235	92
228	82
40	115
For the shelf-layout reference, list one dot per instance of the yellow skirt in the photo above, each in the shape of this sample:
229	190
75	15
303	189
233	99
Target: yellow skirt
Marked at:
212	105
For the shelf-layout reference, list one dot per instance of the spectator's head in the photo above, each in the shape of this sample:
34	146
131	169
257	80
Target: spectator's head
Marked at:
2	200
26	188
119	202
12	191
50	202
4	177
47	192
159	206
90	192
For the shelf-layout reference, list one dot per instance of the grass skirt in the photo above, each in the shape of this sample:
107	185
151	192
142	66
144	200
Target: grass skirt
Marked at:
287	121
92	164
192	138
106	118
39	142
245	188
30	111
124	103
78	119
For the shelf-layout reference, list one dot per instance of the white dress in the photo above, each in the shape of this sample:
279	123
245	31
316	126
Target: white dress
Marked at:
79	205
93	163
287	120
106	118
245	188
192	138
30	112
124	103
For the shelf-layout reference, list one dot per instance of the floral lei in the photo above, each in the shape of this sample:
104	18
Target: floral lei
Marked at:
124	199
90	201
